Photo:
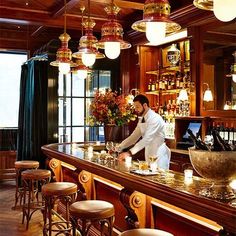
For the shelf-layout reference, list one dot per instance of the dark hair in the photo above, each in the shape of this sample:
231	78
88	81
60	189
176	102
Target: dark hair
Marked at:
142	99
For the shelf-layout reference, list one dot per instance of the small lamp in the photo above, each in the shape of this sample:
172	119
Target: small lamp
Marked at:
112	34
183	95
64	54
223	10
133	92
156	21
87	50
207	96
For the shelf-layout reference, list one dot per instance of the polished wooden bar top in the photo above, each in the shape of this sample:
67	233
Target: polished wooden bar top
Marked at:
168	186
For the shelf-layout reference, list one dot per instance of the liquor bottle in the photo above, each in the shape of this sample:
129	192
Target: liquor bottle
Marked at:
177	80
153	86
199	144
157	84
160	84
226	132
218	143
150	85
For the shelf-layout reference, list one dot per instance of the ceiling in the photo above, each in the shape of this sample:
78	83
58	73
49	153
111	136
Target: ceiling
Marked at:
25	22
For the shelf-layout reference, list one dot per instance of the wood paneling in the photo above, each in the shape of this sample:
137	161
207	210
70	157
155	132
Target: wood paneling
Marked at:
7	164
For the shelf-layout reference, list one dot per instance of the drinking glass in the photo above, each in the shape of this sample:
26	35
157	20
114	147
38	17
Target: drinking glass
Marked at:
152	160
109	146
143	166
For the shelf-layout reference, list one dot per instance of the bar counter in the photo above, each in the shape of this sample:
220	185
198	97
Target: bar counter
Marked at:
165	187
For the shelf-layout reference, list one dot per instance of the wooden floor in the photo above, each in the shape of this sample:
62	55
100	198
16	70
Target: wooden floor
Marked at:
10	220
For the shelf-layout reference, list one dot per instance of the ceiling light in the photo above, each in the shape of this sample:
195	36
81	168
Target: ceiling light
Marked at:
223	10
207	96
64	54
156	21
81	70
112	34
87	50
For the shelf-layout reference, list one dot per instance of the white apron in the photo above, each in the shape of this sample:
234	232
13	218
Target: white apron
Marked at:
157	148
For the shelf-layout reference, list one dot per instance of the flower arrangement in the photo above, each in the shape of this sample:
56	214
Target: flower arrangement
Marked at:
111	108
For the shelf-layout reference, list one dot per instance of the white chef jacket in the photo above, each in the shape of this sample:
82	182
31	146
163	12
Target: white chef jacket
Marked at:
153	139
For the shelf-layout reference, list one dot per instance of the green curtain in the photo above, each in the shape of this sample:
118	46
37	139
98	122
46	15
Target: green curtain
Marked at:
32	123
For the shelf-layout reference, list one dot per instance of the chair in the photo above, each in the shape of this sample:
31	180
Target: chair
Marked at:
33	180
19	167
64	191
145	232
90	211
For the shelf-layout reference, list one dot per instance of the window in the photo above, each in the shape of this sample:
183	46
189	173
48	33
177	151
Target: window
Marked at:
10	67
74	99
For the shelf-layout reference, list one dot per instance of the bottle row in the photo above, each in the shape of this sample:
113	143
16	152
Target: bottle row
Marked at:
170	81
226	131
214	142
172	109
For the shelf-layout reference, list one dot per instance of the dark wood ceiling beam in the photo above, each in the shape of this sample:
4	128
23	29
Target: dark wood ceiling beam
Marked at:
43	18
38	31
59	11
122	4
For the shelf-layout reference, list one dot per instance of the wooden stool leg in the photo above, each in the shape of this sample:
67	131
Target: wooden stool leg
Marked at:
110	225
24	202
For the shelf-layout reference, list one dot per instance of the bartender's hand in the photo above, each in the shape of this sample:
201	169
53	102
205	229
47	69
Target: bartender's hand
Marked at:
123	155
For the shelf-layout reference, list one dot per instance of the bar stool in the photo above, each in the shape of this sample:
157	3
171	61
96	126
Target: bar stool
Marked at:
19	167
145	232
64	191
90	211
33	180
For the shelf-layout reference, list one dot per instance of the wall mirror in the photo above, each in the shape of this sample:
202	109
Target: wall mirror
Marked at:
219	52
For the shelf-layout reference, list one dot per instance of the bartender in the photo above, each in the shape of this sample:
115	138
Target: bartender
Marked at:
151	128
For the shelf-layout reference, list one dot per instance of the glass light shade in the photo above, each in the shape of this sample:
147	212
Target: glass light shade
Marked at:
207	97
155	32
82	74
88	59
224	10
234	77
130	98
183	95
112	49
64	68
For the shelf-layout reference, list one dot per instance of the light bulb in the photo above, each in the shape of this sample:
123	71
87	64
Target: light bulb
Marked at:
88	59
82	74
155	32
224	10
183	95
112	49
64	68
207	97
234	77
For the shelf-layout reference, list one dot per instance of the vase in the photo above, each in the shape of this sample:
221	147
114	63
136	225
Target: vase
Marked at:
113	133
173	55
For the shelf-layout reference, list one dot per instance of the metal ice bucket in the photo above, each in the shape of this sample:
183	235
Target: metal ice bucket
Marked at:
219	167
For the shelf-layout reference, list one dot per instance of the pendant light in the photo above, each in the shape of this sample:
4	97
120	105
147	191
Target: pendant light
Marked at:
224	10
112	34
87	50
207	96
81	69
156	21
64	54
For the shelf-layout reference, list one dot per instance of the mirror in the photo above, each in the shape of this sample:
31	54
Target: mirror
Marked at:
219	52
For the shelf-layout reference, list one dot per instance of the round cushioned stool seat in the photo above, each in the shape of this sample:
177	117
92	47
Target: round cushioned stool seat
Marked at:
26	164
37	174
92	209
59	189
145	232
